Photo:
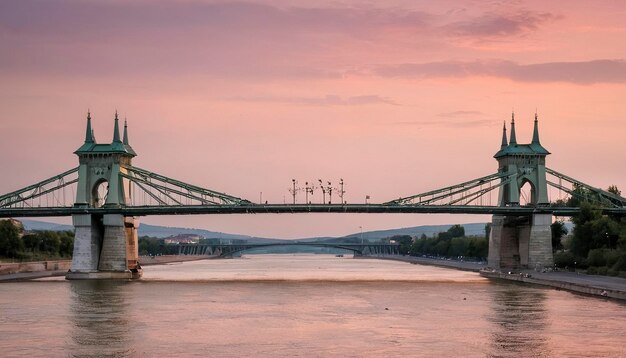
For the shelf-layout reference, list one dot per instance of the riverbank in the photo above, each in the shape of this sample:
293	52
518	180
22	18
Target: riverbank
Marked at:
168	259
41	269
453	264
34	269
603	286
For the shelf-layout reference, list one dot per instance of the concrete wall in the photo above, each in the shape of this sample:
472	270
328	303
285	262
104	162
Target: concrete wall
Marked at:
35	266
515	242
87	243
113	255
540	245
131	224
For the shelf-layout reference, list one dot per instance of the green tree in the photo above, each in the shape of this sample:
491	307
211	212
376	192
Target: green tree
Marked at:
487	230
31	242
579	195
456	231
584	230
50	242
614	190
458	246
11	245
66	249
558	231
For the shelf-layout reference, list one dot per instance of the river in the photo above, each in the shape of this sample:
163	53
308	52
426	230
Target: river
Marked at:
304	306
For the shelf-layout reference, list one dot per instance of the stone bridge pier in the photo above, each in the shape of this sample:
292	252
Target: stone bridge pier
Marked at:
521	242
105	247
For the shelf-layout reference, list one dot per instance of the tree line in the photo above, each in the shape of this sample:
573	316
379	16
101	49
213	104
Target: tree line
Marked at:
598	242
15	244
450	243
152	246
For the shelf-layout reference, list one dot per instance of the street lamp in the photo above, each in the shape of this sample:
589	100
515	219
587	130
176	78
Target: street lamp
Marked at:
361	228
294	191
308	189
330	193
341	191
323	191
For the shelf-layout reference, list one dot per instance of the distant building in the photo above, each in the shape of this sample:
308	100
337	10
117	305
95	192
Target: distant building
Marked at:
182	239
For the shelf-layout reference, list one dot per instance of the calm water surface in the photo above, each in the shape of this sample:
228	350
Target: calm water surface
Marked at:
304	306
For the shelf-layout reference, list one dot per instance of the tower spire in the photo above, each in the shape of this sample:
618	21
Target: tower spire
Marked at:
89	132
536	130
125	139
116	130
513	139
504	143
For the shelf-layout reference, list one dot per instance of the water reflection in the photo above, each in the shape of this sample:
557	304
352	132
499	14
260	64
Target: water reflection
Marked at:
519	320
101	325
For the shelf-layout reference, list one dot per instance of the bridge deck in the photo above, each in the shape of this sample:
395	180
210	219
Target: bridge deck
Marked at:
297	208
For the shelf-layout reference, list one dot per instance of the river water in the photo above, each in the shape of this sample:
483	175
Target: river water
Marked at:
304	306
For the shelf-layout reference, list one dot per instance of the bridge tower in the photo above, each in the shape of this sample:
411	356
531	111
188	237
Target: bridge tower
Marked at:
521	242
105	246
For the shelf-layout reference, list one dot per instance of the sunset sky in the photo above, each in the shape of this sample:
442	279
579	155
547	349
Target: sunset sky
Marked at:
395	97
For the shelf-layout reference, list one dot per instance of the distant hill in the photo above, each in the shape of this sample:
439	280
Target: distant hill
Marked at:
32	225
474	229
151	230
165	231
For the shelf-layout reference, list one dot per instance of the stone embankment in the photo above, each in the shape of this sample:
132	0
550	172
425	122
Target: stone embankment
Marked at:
34	266
613	287
166	259
33	269
604	286
454	264
39	269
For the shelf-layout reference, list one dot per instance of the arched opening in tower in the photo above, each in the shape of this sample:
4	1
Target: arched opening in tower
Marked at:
527	194
99	193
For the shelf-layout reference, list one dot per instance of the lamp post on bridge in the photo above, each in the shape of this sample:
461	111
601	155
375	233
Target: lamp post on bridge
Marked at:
330	193
341	191
294	190
323	191
308	189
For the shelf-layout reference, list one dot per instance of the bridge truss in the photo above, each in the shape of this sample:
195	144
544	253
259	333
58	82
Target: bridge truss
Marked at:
155	194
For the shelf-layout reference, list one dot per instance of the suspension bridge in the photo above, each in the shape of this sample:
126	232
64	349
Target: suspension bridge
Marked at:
106	194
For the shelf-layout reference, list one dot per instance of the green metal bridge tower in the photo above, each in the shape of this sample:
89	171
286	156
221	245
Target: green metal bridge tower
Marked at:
521	241
105	246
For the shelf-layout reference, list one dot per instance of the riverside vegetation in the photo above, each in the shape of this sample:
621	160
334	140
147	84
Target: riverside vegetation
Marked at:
16	245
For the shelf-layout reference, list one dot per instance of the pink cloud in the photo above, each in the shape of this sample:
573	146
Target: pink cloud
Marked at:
498	25
328	100
586	72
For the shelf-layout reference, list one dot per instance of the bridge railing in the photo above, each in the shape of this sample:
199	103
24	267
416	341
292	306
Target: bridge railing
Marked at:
165	191
466	193
583	191
46	193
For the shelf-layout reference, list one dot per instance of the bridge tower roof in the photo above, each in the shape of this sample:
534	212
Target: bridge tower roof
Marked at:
513	148
116	146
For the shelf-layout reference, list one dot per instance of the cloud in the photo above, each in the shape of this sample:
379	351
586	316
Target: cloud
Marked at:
498	25
585	72
234	40
328	100
459	123
455	114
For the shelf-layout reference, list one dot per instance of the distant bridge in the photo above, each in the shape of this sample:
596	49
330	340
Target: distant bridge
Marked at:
226	250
